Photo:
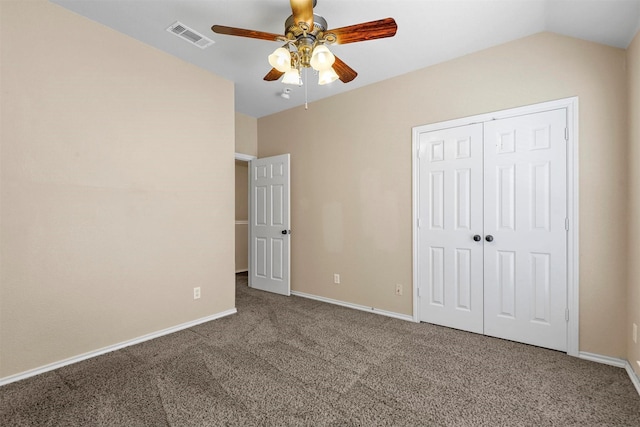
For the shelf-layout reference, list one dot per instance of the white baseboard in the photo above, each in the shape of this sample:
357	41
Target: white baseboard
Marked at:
355	306
606	360
81	357
613	361
634	377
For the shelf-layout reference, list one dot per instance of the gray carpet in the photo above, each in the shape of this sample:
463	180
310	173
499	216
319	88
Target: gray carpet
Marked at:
293	361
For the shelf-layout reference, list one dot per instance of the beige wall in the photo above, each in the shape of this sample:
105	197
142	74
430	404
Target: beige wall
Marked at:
351	173
246	134
242	214
115	192
633	299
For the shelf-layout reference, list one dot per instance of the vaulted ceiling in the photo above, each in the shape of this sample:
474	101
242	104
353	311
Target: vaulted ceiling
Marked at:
429	32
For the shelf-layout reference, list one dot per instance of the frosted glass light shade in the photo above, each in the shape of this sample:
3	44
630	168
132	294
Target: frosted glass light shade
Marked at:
292	77
327	76
322	58
280	59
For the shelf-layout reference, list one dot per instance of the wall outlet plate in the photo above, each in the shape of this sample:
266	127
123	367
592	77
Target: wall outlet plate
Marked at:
336	279
399	289
196	293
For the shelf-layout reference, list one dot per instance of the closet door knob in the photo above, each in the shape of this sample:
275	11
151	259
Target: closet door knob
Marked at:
477	238
489	238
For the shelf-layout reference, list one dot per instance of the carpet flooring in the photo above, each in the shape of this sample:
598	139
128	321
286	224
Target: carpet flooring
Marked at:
292	361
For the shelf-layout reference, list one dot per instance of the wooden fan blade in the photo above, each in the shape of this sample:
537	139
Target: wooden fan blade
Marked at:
252	34
302	12
273	75
366	31
344	72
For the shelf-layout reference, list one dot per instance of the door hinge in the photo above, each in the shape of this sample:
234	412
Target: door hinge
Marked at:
566	134
419	153
419	223
566	314
419	293
566	224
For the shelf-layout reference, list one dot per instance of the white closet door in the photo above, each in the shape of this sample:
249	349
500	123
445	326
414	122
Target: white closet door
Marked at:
450	204
525	275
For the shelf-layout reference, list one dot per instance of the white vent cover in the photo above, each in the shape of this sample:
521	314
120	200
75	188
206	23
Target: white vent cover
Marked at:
190	35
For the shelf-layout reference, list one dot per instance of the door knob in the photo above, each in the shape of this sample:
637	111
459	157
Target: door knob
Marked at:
489	238
286	231
477	238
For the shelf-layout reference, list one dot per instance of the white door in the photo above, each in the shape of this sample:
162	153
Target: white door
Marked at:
270	228
503	182
450	217
525	275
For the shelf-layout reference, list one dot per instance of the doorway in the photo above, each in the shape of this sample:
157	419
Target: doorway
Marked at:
495	214
242	212
242	216
263	236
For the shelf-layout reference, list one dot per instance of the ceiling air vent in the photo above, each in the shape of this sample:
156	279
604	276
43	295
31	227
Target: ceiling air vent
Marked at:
190	35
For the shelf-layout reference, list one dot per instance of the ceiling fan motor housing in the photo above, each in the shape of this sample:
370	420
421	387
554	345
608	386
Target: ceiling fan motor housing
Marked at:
305	39
319	26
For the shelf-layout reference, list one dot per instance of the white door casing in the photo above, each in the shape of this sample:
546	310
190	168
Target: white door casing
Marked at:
270	224
525	274
450	216
530	171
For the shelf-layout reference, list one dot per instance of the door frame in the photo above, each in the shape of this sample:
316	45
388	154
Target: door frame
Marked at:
571	105
247	158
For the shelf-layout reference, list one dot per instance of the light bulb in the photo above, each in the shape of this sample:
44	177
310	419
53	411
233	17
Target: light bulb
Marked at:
280	59
292	77
327	76
322	58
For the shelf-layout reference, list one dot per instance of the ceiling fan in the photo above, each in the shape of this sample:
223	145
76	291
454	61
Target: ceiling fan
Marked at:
305	37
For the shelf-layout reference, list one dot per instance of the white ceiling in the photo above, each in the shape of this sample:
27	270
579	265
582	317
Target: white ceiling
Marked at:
429	32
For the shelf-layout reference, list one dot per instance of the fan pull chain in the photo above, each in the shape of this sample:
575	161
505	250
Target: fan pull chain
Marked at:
306	105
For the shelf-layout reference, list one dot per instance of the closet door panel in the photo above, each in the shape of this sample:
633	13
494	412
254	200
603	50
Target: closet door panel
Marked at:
525	273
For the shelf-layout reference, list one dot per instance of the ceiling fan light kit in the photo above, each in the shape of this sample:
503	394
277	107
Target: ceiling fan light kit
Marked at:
292	77
321	58
327	76
306	37
280	59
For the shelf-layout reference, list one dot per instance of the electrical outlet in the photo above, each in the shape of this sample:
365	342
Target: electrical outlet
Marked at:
399	289
196	293
635	333
336	279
